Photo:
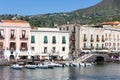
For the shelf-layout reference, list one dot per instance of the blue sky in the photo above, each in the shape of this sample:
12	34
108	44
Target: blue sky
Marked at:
33	7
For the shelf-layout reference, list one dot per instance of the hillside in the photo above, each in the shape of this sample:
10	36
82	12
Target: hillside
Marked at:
106	10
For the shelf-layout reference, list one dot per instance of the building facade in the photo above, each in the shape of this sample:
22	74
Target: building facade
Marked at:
50	42
14	37
105	37
71	28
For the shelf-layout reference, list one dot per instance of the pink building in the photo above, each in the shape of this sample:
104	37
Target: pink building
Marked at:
14	37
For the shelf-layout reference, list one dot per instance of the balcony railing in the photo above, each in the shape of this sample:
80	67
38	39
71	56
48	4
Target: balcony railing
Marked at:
91	40
84	39
100	48
97	40
23	49
88	48
22	38
12	38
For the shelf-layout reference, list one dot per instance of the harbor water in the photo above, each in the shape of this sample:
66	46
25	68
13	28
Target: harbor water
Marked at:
109	71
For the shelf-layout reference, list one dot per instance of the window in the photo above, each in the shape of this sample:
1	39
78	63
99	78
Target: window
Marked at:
67	28
97	38
45	39
12	33
45	49
63	48
63	40
60	29
32	48
91	45
84	45
85	39
102	46
1	33
12	46
53	49
23	46
97	45
103	38
53	39
23	33
32	39
91	38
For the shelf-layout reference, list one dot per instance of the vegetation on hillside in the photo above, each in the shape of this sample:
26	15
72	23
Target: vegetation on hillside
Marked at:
107	10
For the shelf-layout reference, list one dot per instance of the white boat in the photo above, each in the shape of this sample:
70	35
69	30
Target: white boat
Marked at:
54	64
88	64
30	66
16	66
42	66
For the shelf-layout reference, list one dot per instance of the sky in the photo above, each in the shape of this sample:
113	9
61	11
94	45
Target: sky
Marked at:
34	7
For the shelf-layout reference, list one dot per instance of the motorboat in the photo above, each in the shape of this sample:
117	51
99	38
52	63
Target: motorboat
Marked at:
42	66
30	66
16	66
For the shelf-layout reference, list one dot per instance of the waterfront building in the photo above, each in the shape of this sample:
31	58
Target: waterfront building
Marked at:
46	42
71	28
14	38
112	36
91	38
98	38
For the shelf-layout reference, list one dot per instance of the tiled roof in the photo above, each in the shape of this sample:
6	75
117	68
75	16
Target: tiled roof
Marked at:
14	23
111	23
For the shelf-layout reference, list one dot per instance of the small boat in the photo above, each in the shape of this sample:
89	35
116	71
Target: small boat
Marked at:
16	66
30	66
88	64
42	66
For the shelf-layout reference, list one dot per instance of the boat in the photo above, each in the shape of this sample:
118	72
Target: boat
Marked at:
30	66
16	66
42	66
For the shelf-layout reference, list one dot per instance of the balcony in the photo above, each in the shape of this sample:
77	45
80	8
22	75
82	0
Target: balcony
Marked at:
97	40
100	48
88	48
25	49
2	38
91	40
12	38
84	39
23	38
103	40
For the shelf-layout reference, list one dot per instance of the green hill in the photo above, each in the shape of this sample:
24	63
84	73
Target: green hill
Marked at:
106	10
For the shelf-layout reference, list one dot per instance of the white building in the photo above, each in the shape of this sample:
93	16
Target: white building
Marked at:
91	38
50	42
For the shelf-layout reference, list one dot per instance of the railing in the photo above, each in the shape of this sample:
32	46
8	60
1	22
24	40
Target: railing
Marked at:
88	48
23	38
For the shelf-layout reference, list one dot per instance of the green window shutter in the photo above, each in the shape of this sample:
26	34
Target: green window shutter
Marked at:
102	46
32	39
63	40
54	39
97	45
45	39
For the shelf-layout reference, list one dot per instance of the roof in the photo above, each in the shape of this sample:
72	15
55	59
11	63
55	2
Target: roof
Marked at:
111	23
14	23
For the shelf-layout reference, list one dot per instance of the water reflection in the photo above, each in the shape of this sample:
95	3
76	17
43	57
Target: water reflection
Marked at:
98	72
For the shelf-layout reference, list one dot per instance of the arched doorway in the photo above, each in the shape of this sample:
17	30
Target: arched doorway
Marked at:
99	59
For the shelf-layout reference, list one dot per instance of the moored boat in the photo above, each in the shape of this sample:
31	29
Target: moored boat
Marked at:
16	66
30	66
42	66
